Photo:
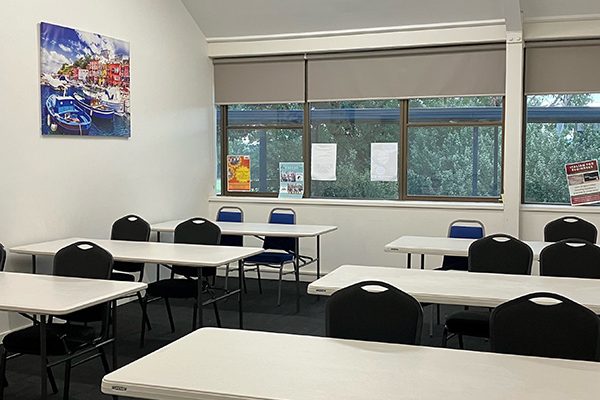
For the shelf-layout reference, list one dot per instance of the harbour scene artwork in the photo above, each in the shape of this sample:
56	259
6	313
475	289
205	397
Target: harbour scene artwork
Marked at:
85	81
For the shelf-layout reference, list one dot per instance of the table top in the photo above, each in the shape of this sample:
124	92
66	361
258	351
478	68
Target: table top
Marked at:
58	295
444	246
460	287
275	366
258	229
151	252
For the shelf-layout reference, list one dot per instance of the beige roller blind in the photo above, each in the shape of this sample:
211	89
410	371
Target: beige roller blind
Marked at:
431	72
259	80
562	67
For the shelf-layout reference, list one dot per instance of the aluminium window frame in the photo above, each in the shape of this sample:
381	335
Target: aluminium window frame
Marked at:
405	124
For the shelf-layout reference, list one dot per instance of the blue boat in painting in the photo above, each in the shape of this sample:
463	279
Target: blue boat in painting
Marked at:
64	112
94	107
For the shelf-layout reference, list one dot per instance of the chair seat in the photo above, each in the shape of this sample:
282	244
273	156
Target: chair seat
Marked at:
173	288
27	341
470	323
122	276
269	257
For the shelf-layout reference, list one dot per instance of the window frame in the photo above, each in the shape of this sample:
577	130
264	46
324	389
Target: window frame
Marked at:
405	124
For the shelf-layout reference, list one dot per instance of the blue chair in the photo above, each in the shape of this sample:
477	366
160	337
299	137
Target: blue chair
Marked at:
462	229
230	214
279	250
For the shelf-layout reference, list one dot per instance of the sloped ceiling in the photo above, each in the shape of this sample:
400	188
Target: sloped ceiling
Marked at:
241	18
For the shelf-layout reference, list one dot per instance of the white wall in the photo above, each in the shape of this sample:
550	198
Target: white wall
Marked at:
59	186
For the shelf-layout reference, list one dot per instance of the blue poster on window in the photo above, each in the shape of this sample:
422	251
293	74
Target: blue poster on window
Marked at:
291	180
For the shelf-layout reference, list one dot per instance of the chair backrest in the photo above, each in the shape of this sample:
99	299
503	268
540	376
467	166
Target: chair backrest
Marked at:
573	258
132	228
85	260
379	313
281	216
196	231
500	254
570	228
560	330
462	229
2	257
231	214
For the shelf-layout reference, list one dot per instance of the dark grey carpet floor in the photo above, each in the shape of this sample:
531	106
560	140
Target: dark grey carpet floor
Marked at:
261	313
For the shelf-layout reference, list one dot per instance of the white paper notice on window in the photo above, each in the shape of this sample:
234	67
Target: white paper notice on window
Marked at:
384	162
323	161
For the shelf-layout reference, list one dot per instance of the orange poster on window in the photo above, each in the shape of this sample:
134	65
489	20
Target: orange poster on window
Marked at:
238	173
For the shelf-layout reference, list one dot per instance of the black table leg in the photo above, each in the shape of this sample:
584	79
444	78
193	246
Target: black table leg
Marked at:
318	257
33	264
297	273
422	261
43	357
115	363
240	287
409	264
199	298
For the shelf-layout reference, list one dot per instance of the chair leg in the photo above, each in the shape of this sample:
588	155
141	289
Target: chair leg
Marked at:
52	380
460	342
439	311
145	318
244	280
104	360
194	317
445	337
217	314
170	314
279	288
67	380
259	281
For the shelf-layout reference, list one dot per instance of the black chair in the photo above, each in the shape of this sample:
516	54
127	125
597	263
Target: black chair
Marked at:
279	250
76	341
570	228
183	282
130	228
559	330
574	258
373	314
499	254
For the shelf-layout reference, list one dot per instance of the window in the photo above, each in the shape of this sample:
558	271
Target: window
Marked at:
454	147
269	134
448	148
353	126
560	129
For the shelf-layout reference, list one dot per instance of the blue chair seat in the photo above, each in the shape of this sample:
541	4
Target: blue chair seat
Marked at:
269	257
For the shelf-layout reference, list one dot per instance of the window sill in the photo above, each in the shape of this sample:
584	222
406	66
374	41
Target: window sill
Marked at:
564	209
360	203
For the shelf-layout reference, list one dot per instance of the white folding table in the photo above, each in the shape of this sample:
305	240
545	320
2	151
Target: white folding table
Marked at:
460	287
190	255
47	295
443	246
326	369
262	230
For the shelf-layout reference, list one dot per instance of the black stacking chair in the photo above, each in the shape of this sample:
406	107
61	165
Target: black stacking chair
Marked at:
183	284
570	228
379	314
573	258
559	330
279	251
75	341
499	254
135	229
